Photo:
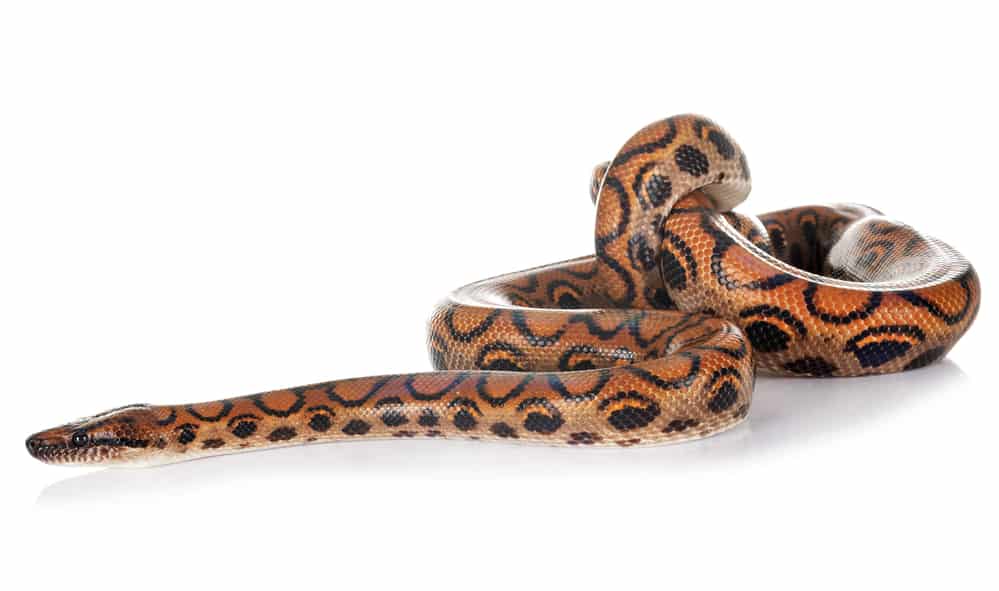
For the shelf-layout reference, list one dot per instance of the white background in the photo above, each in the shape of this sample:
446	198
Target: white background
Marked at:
204	199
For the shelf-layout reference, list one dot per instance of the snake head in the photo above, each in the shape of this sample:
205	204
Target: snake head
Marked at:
116	436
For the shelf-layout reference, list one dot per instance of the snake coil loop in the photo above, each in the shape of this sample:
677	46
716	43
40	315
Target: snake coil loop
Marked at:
656	338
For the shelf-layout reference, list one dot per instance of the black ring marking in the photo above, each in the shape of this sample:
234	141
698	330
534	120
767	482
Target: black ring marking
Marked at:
603	241
683	382
520	322
767	337
950	319
873	301
225	410
333	396
294	408
565	360
556	384
532	284
590	320
470	335
169	419
499	364
649	147
722	243
428	396
739	353
496	401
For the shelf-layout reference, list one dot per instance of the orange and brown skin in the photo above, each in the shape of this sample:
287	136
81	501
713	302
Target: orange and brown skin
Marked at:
654	339
823	290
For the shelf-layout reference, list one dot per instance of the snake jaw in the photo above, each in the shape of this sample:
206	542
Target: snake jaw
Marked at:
115	436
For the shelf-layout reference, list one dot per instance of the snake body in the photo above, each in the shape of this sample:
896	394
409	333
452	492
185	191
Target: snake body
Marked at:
655	338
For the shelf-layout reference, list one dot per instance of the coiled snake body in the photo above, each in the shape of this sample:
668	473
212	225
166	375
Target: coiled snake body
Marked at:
655	338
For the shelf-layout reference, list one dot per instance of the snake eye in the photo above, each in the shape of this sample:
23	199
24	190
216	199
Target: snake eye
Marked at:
79	439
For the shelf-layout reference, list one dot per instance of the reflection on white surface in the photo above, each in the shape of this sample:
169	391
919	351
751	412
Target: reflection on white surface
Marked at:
787	413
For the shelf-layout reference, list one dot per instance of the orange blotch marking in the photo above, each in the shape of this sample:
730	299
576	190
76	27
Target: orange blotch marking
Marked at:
280	400
209	409
840	302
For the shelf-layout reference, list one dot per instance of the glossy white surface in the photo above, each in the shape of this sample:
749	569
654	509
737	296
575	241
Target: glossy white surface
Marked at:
208	199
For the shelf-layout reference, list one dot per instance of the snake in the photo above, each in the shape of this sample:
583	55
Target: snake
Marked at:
656	337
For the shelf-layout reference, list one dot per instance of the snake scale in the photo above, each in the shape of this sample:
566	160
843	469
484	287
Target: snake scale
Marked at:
655	338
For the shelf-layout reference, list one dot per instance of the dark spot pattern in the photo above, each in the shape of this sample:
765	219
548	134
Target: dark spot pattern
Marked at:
393	418
583	438
778	240
660	300
878	345
675	271
392	414
640	254
464	420
356	427
428	418
320	422
542	416
680	425
658	188
542	423
724	398
812	366
282	434
691	160
567	301
722	144
186	433
877	354
503	430
243	427
766	337
630	410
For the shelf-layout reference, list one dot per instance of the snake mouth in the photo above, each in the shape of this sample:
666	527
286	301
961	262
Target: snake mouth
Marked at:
49	453
107	438
62	451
